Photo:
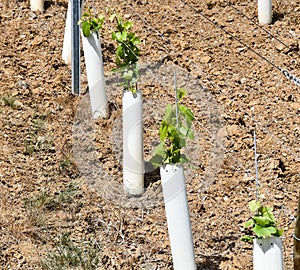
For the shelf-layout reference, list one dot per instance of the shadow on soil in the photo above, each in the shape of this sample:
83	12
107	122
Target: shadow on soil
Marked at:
277	16
210	263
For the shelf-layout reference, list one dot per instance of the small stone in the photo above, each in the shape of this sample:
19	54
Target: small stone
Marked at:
23	84
243	80
242	49
280	47
225	199
230	19
205	59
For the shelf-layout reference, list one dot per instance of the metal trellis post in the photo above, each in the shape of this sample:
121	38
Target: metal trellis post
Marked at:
297	239
75	34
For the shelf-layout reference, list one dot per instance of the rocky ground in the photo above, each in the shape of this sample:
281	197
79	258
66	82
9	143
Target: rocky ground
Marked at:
62	204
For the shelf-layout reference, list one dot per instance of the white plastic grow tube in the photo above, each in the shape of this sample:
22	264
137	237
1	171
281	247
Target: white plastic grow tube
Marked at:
177	213
66	53
133	153
95	74
267	253
37	5
265	11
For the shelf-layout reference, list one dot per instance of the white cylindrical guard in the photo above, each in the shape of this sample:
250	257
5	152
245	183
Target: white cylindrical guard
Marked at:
267	253
95	74
133	152
265	11
177	212
66	53
37	5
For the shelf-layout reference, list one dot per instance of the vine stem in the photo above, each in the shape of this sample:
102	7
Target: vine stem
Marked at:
176	99
256	166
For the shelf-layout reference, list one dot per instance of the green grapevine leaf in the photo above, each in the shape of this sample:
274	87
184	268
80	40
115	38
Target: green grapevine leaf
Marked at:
169	114
128	75
262	221
174	133
86	28
249	223
90	23
156	160
247	238
163	130
267	212
127	53
184	130
264	231
190	135
254	206
127	26
181	93
183	158
86	15
187	112
279	232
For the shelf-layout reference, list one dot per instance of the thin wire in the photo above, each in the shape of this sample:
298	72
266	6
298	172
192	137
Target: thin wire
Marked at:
94	9
256	166
285	72
240	164
296	238
252	118
255	121
240	107
176	99
228	33
262	28
152	28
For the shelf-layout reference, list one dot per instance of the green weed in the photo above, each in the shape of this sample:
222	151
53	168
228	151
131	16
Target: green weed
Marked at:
35	207
70	255
9	101
38	205
55	201
66	162
36	140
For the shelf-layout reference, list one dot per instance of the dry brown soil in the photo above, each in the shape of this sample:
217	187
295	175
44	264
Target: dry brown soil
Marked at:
61	172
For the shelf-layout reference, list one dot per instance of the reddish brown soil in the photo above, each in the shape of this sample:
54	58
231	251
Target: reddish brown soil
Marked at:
61	172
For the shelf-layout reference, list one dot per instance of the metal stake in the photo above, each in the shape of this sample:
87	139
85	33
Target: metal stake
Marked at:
256	167
75	35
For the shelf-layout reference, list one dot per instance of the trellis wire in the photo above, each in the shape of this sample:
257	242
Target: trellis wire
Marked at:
286	73
291	77
241	42
176	99
248	173
289	213
256	166
262	28
251	117
93	7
